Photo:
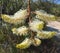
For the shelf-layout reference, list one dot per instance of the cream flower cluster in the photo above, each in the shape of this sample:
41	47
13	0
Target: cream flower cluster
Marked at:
36	25
28	42
20	31
45	34
44	16
17	18
25	44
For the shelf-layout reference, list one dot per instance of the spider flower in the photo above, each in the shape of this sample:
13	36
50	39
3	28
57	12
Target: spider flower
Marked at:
36	25
46	34
17	18
44	16
20	31
25	44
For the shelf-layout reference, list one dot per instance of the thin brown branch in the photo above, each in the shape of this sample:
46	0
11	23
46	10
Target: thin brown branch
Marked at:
29	13
29	10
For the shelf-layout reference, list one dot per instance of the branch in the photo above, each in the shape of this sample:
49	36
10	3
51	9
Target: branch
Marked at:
29	13
28	9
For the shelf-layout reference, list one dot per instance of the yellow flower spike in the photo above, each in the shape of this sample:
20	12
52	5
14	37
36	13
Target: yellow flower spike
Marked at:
45	16
5	17
46	34
52	34
25	44
14	30
18	18
36	42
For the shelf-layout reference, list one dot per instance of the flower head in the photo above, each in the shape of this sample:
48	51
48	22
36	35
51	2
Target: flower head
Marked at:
46	34
36	25
20	31
45	16
25	44
18	18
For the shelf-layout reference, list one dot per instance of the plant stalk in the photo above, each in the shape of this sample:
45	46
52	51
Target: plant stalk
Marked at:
29	13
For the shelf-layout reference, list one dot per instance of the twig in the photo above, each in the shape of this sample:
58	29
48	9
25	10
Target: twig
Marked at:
28	9
29	13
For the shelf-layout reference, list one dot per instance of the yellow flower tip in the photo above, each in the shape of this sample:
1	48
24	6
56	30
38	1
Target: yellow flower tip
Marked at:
14	29
54	33
36	42
20	46
3	15
40	26
17	46
24	44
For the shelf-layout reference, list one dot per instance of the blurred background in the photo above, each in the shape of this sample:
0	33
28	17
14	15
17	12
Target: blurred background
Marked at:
8	40
11	6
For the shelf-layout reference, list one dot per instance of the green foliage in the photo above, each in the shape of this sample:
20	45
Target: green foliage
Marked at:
2	38
11	6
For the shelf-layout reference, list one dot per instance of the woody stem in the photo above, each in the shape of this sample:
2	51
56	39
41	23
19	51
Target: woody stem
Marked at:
29	9
29	13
